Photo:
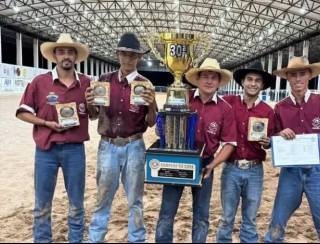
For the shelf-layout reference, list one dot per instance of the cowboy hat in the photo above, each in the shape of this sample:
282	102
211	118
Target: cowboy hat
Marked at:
256	68
298	63
129	42
65	40
209	64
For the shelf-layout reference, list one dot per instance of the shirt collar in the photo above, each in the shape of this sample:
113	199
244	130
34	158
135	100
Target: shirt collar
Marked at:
56	77
130	77
214	97
306	97
256	102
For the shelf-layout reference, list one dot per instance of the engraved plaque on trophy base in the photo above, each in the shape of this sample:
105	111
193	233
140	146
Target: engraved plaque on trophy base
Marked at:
173	167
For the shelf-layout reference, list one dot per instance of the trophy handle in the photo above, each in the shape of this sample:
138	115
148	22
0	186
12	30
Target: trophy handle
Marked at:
150	41
206	40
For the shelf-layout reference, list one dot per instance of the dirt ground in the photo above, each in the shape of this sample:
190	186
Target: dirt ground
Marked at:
17	194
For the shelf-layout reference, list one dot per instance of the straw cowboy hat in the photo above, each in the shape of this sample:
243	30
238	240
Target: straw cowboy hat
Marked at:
296	64
64	40
256	68
129	42
209	64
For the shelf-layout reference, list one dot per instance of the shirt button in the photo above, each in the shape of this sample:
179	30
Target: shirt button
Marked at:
243	123
302	120
121	100
120	112
198	131
243	149
241	136
200	117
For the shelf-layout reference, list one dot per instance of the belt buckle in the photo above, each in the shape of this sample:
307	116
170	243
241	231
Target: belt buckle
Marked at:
244	164
120	141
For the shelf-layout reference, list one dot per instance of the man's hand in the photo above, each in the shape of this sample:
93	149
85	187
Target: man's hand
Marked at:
287	134
54	126
265	142
89	96
148	96
207	171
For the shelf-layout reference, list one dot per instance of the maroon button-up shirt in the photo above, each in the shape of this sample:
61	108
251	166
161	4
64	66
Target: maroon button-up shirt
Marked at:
301	118
121	118
216	123
35	100
245	149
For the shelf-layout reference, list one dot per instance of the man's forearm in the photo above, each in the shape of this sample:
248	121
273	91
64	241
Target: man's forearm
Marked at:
152	114
223	155
93	112
31	118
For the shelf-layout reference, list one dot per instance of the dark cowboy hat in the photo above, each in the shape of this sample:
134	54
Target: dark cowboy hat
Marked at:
129	42
256	68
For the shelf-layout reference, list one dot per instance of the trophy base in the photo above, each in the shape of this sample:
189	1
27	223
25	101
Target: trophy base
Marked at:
173	167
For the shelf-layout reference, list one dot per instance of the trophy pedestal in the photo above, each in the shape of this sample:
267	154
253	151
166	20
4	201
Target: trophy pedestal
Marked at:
173	167
175	159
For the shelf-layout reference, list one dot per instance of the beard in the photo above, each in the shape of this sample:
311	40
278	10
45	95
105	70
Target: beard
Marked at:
67	65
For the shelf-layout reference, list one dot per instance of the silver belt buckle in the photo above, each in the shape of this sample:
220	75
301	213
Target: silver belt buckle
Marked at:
244	164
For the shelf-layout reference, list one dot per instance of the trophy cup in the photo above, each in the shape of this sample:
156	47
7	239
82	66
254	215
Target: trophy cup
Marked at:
174	159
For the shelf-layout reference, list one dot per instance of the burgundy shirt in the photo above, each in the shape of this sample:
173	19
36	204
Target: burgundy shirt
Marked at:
245	149
216	123
301	118
121	119
35	100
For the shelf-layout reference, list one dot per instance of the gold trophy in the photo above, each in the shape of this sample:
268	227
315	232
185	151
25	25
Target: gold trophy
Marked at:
179	49
175	158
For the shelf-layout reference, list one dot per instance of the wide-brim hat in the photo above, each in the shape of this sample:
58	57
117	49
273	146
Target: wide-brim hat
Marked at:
296	64
256	68
65	40
129	42
209	64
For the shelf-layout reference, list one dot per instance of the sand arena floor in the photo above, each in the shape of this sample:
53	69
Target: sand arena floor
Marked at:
17	194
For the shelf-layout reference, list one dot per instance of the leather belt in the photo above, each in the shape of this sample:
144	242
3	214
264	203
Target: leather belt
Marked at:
121	141
245	164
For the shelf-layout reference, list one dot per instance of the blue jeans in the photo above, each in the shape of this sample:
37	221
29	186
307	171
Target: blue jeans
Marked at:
170	202
293	182
115	161
71	158
239	183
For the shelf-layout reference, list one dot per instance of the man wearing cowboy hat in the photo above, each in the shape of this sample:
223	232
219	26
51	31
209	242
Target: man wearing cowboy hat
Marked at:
216	125
242	175
121	150
58	146
297	114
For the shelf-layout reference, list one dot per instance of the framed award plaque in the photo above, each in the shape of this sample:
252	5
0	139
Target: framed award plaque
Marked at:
67	114
101	91
137	88
257	128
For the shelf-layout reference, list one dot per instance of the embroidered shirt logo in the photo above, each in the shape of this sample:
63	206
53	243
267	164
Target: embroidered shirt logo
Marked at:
52	98
316	123
213	128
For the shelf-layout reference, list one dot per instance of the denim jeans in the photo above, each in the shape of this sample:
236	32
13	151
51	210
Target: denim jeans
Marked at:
170	202
71	158
293	182
239	183
115	161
